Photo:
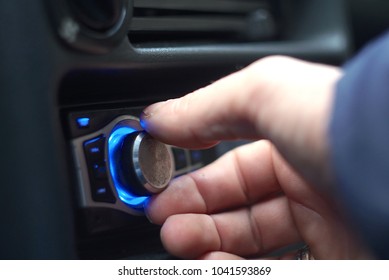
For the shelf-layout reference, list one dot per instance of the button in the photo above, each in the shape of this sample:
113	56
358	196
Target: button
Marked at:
98	178
102	192
83	123
94	149
100	170
180	158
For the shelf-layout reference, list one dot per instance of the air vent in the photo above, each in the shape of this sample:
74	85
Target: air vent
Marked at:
201	21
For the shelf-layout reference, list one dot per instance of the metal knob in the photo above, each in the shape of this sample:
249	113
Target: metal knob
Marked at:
146	165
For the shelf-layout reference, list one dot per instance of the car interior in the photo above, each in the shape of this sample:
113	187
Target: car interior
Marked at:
75	76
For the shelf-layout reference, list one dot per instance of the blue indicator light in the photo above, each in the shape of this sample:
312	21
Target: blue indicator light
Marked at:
93	146
83	122
114	144
102	190
95	150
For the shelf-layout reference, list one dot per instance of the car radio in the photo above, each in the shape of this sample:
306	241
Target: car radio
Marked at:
119	166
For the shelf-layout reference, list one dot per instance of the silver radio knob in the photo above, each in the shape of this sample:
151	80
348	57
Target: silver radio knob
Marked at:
146	165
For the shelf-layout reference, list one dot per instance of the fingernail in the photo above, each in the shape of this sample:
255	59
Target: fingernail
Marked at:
145	115
148	113
151	110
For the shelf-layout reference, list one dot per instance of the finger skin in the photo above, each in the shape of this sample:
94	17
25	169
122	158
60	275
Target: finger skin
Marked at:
247	232
189	235
217	255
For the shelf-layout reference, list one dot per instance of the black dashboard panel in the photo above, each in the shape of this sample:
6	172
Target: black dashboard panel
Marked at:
368	19
60	59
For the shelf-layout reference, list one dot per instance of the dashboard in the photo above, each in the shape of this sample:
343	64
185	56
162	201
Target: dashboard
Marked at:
75	76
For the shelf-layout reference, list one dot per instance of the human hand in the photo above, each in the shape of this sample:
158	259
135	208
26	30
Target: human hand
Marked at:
259	197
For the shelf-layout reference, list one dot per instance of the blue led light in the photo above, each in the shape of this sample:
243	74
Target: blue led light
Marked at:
102	190
95	150
114	144
83	122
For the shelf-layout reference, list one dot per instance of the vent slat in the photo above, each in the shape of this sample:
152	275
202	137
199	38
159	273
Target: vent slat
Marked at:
201	20
189	24
217	6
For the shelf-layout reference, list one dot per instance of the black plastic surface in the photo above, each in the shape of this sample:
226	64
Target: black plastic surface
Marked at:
98	15
36	213
369	19
91	26
180	158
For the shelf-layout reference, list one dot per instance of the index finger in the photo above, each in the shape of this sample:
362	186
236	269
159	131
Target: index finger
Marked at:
201	118
275	98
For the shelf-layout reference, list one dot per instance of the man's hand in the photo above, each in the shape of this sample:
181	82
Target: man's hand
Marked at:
257	198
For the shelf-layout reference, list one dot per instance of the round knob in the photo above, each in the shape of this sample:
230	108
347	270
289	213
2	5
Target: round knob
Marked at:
98	15
146	165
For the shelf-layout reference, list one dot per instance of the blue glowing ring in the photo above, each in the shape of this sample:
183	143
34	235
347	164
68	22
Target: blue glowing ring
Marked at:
114	148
